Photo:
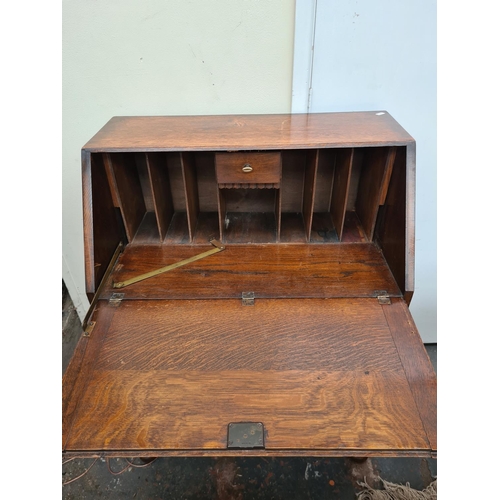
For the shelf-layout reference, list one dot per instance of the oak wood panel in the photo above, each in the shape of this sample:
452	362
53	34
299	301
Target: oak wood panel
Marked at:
147	232
285	270
353	232
144	178
292	180
207	228
250	227
277	213
105	161
310	189
384	185
122	170
324	180
357	164
311	389
391	229
248	132
178	232
191	192
292	228
249	200
207	183
161	191
322	230
81	366
102	232
299	409
417	366
221	203
377	162
284	334
176	179
341	185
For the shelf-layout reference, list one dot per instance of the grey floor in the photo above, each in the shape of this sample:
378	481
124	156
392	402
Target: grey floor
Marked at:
228	479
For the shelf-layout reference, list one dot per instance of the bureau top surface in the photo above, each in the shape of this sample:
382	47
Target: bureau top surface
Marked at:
248	132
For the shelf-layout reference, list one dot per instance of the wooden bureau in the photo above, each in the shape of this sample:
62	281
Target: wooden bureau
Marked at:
278	321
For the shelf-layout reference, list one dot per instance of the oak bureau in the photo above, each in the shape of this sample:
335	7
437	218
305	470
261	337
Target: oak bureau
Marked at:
250	278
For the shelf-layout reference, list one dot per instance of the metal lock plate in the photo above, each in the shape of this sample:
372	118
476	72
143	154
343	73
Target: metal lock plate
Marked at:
245	435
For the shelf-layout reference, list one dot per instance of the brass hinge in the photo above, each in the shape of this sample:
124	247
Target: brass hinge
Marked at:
88	329
248	298
383	298
116	299
88	325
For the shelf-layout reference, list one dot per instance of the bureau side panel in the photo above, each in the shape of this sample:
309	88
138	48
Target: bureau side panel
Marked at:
101	227
395	232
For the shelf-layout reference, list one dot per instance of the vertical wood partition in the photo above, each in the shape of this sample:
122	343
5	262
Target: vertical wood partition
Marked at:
142	171
309	189
375	177
341	185
191	192
221	200
126	190
278	214
160	187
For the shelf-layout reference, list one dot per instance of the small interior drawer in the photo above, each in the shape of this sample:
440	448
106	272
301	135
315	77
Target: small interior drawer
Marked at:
248	168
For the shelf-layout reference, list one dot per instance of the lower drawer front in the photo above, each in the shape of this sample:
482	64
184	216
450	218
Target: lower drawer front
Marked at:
248	168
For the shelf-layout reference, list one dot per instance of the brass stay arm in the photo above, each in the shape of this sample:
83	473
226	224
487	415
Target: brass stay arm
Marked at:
218	248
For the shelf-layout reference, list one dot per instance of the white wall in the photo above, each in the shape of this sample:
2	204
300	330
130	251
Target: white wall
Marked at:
157	57
380	55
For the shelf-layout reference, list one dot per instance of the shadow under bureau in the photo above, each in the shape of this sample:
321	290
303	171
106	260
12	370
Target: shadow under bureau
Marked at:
250	278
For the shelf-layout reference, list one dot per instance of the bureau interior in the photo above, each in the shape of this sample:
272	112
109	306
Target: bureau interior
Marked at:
323	196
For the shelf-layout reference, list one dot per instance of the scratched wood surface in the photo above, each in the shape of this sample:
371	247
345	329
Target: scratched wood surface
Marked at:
248	132
320	374
280	270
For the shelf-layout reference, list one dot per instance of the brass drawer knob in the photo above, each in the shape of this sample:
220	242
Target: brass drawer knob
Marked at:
247	168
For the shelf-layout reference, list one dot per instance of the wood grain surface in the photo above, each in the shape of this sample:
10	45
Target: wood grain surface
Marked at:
341	186
326	368
310	189
266	168
190	191
161	192
102	232
320	375
396	230
248	132
417	366
123	178
280	270
374	177
81	367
